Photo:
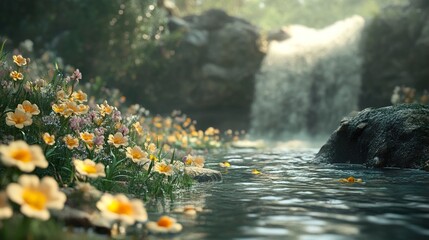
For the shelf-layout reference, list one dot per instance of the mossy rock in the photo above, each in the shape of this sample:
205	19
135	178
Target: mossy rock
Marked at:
394	136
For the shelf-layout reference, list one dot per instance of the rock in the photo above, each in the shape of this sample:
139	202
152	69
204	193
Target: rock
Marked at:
175	24
256	144
395	50
212	61
394	136
278	35
203	174
73	217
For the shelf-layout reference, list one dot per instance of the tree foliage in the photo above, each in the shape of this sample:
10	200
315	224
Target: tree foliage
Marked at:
270	14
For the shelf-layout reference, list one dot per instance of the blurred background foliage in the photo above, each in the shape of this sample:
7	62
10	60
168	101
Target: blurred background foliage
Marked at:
126	43
271	14
395	51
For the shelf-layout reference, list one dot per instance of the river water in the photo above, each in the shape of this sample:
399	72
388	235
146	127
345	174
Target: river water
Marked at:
293	198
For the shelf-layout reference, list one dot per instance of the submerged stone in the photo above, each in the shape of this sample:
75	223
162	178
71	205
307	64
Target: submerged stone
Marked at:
204	174
394	136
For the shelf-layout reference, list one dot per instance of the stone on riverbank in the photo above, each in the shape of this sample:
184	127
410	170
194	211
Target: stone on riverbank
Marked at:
394	136
203	174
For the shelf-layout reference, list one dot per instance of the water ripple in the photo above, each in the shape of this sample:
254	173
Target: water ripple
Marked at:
295	199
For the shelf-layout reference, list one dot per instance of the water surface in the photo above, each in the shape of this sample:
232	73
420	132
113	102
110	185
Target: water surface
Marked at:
295	199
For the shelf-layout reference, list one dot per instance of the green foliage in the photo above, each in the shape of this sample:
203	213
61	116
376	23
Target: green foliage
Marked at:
22	227
271	14
99	37
62	114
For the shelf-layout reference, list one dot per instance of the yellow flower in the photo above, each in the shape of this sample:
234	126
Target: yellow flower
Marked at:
19	118
80	96
16	75
32	109
138	128
189	159
89	168
105	109
87	137
61	95
151	148
119	207
71	142
71	108
164	225
187	122
5	209
256	171
153	158
118	140
163	168
82	109
171	139
35	196
60	109
19	60
49	139
197	161
136	154
23	156
210	131
350	180
225	164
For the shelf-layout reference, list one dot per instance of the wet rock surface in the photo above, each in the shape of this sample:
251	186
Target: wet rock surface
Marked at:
213	67
204	174
394	136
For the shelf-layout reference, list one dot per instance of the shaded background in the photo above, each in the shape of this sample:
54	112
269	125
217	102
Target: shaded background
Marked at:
184	55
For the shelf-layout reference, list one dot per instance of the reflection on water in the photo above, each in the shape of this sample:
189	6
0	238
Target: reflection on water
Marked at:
296	199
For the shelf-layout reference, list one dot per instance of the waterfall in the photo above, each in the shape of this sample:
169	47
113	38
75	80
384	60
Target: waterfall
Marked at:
308	82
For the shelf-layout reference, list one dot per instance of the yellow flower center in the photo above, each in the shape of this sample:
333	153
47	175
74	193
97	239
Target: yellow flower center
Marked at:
118	140
71	142
137	155
34	198
123	208
48	139
153	157
87	137
22	155
164	168
80	97
28	108
58	108
89	169
165	221
19	118
351	179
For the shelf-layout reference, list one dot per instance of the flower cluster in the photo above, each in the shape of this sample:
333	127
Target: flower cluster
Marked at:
16	75
34	196
409	95
22	116
55	135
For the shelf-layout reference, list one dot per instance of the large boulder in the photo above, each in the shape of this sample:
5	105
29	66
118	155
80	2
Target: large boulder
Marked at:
211	66
394	136
395	51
